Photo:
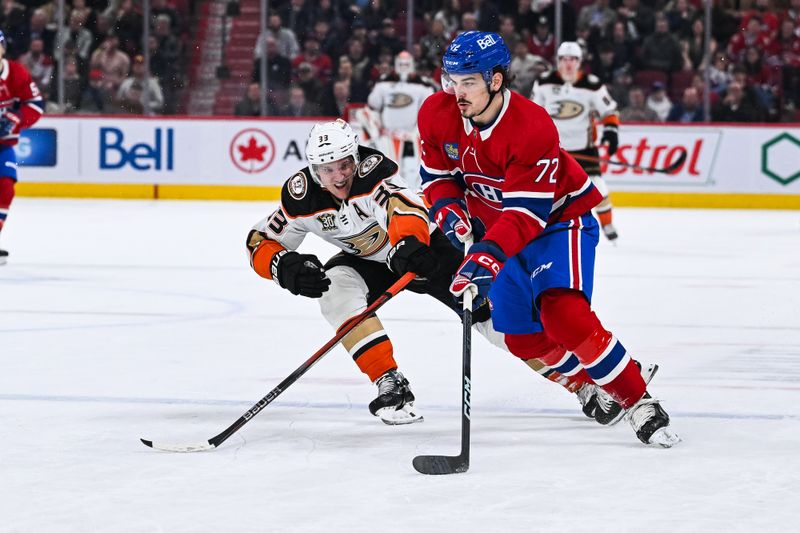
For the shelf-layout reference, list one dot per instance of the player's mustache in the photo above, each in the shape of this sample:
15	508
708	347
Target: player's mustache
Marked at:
462	101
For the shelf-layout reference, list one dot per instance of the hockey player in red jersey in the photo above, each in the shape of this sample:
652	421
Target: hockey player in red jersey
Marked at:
352	197
492	162
21	106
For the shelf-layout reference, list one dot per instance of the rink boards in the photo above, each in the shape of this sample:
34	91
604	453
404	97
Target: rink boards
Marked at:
741	166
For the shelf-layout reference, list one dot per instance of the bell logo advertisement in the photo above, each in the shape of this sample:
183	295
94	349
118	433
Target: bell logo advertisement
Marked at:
117	152
37	147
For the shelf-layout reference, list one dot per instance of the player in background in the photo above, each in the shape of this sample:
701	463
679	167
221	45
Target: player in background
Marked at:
352	197
493	155
396	99
21	106
576	101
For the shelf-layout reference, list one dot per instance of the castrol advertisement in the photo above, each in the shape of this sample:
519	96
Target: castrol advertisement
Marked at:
734	159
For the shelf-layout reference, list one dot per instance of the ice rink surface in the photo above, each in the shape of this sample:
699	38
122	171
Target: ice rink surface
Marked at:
129	319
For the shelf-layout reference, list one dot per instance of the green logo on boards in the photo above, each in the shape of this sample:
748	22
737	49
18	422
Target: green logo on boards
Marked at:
780	158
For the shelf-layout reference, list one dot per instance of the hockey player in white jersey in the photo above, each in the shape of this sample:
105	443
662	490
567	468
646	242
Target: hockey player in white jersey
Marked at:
351	196
397	99
576	101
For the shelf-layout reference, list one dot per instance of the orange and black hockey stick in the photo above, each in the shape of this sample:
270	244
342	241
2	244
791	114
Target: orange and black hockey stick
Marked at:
348	326
671	169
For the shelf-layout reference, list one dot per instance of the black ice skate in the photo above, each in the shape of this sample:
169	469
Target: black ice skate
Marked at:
587	395
395	402
608	411
3	257
651	423
610	232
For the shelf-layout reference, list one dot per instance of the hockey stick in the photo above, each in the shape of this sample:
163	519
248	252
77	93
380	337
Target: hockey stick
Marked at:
447	464
348	326
673	167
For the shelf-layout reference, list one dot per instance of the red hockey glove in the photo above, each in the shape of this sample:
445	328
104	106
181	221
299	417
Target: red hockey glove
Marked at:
478	271
450	214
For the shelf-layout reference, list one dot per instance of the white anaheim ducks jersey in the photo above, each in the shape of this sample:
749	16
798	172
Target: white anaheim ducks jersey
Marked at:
358	225
574	107
398	102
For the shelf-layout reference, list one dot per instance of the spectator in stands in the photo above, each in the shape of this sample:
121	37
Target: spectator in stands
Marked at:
450	16
658	101
718	73
696	45
661	50
793	13
637	110
320	62
623	81
39	64
78	35
508	31
140	94
357	91
103	27
763	10
526	68
387	38
38	30
335	102
751	36
96	97
374	12
297	16
547	8
787	57
733	107
311	85
739	74
624	47
13	22
689	109
762	79
488	15
80	7
73	86
160	8
681	16
250	105
604	64
542	43
328	38
297	106
285	39
128	27
639	20
596	17
279	69
362	64
112	62
434	42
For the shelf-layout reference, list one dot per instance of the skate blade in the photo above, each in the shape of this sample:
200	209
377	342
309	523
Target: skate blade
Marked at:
664	437
399	417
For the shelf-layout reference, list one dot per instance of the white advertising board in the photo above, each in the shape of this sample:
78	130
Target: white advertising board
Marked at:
119	150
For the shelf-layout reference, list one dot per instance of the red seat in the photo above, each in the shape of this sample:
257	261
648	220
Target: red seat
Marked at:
679	81
646	78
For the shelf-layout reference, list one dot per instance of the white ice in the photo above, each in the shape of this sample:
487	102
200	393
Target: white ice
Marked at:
129	319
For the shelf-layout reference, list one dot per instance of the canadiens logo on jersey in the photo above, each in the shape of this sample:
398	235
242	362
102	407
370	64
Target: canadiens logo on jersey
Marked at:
487	188
298	186
369	241
451	149
368	164
565	109
327	221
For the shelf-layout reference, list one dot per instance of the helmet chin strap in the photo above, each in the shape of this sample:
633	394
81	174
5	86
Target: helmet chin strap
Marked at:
491	97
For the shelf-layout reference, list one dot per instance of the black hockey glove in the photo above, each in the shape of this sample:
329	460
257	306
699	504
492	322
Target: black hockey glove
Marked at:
410	255
611	138
299	273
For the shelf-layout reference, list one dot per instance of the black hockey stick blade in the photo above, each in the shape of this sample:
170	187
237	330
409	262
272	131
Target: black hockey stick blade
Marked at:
180	448
435	465
675	165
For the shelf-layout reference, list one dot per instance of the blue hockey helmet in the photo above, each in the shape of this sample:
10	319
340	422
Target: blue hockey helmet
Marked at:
3	39
477	52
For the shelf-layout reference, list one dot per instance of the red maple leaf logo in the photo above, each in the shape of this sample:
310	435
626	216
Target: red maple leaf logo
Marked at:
252	150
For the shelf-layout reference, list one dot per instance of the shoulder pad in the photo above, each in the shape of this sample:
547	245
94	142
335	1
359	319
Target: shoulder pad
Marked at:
373	167
301	195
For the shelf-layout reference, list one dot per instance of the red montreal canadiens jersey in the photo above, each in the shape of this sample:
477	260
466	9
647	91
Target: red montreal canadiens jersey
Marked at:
20	96
513	173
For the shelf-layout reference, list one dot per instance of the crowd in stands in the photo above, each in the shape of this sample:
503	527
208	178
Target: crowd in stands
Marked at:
325	54
103	56
650	53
